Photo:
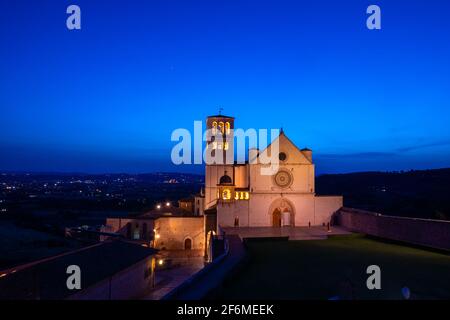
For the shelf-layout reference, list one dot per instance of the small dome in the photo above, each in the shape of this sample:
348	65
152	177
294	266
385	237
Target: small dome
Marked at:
225	179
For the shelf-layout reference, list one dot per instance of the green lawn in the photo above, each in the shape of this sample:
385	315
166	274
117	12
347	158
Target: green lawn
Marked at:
326	268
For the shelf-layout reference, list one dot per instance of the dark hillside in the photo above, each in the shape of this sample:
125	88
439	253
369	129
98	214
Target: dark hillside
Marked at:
416	193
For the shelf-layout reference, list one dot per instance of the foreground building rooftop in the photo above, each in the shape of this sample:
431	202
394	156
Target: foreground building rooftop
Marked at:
46	279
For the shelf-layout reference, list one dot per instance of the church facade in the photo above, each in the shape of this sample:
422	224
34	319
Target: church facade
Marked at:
239	195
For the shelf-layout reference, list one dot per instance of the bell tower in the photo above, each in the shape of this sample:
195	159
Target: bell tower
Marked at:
220	145
220	137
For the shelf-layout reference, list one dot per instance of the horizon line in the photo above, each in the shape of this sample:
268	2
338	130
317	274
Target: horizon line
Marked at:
3	172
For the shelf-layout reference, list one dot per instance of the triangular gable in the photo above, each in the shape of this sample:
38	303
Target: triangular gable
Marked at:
294	154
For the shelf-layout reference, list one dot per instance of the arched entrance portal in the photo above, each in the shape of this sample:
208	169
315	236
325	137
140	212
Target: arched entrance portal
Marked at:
286	218
282	213
276	218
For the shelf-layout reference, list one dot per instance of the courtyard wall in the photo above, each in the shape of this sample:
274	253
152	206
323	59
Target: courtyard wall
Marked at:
425	232
174	231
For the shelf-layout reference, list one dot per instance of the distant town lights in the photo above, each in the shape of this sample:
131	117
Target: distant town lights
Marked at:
158	206
167	204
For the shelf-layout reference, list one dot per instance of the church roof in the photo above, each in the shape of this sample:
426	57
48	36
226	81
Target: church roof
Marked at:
187	199
171	211
221	116
97	263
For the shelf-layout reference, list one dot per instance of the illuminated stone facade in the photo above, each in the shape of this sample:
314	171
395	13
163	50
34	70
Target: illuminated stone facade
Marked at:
244	197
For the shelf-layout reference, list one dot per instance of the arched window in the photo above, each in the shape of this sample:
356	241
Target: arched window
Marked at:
226	194
227	127
221	127
136	233
214	127
187	244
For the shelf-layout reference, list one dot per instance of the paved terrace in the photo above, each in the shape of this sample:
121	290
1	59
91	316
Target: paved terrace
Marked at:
186	264
203	282
294	233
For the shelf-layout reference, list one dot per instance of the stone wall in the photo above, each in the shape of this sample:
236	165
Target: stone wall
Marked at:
307	209
227	213
325	207
430	233
174	231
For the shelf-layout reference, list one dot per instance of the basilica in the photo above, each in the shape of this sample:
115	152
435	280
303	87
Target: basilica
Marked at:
239	195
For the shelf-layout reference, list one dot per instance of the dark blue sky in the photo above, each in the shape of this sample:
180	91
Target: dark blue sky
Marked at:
106	98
